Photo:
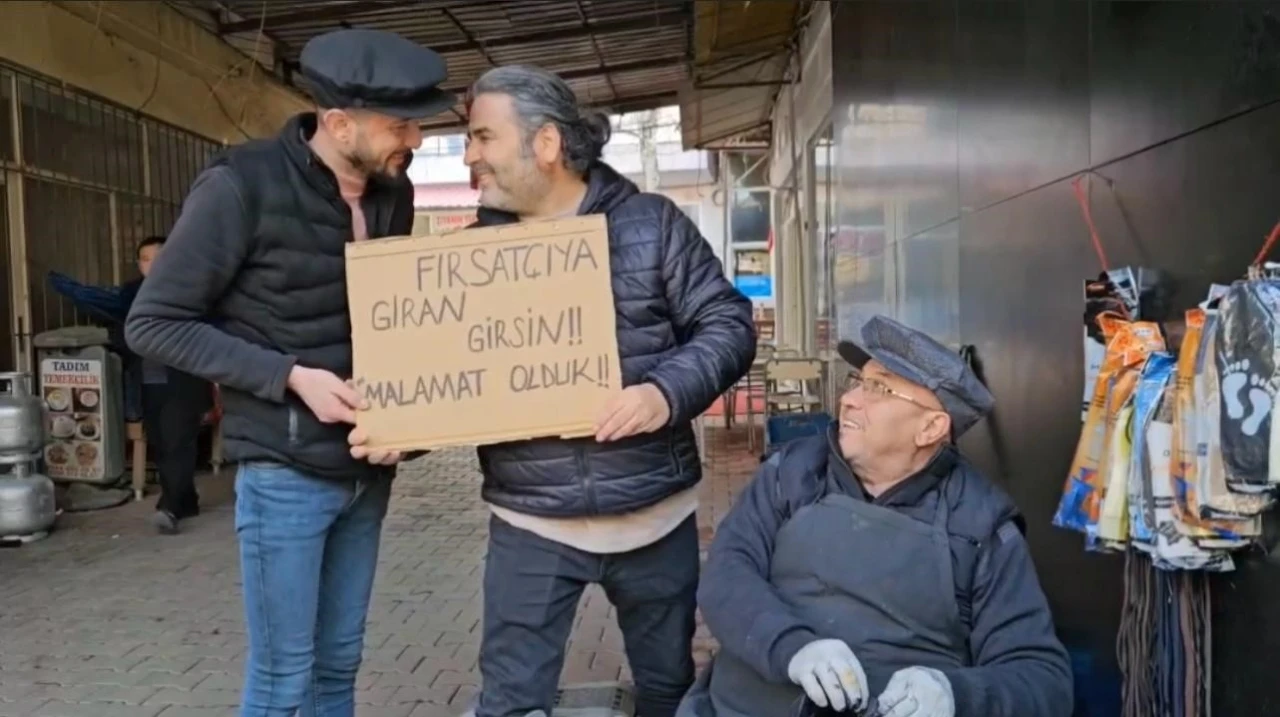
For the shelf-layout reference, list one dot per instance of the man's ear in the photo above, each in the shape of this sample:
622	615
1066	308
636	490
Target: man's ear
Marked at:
937	429
546	145
337	123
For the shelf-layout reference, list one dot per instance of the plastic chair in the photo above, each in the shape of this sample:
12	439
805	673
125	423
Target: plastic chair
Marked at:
752	386
792	385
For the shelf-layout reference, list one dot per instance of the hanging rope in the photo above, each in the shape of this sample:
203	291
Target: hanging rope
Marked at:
1267	246
1082	198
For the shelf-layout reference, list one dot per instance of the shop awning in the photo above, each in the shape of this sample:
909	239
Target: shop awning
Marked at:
742	58
619	55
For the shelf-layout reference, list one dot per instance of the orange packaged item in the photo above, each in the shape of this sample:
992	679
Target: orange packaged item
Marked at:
1129	343
1197	473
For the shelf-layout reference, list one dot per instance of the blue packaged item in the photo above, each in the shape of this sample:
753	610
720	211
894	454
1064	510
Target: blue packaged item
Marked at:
1156	375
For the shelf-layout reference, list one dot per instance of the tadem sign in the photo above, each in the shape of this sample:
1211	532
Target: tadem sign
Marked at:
483	335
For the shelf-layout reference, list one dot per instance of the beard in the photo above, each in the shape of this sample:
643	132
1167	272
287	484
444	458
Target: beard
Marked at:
374	167
516	189
363	159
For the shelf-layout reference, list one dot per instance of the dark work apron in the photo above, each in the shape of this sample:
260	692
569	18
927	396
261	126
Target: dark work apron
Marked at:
873	577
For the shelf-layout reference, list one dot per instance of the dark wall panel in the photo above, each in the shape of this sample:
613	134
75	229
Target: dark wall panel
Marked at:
898	71
1024	96
1162	69
995	106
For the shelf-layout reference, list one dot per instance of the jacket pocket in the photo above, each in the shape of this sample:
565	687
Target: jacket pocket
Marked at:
673	454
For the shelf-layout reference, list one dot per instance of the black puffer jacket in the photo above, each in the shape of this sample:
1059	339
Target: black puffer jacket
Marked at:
681	326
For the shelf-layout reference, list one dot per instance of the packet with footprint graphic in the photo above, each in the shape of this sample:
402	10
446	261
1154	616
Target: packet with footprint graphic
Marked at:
1246	336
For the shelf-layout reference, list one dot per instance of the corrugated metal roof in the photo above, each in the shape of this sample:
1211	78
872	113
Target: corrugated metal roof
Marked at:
743	53
622	55
739	103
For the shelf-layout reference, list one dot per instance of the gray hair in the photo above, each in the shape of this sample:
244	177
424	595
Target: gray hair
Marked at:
541	98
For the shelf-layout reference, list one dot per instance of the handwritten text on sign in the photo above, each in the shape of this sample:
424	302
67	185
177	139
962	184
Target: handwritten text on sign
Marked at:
484	335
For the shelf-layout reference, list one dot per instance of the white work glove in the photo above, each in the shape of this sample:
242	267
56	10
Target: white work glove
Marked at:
830	674
917	692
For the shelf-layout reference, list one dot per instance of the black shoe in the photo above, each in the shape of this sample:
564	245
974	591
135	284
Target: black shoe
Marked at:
164	522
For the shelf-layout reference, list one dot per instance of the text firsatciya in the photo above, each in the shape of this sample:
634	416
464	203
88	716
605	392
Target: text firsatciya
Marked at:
484	265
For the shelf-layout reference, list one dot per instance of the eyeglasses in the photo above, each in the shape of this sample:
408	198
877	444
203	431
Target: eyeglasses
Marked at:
878	389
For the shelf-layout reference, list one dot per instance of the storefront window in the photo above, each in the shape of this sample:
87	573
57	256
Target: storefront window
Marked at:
750	218
822	266
748	213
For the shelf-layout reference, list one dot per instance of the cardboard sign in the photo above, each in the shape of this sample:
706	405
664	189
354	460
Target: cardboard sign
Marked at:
483	335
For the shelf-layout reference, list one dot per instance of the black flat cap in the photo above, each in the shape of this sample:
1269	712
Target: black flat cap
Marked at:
920	359
377	71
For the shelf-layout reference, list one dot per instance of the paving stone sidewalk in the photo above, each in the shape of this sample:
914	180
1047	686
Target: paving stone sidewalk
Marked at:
106	619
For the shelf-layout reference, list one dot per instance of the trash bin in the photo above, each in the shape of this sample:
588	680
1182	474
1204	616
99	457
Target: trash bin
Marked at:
81	382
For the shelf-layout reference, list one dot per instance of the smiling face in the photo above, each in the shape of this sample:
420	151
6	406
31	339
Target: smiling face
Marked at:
883	416
510	168
376	145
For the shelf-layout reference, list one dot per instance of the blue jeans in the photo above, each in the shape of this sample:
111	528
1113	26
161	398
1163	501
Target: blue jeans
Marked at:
308	553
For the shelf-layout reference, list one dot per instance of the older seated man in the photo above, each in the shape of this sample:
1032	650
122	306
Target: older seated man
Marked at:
874	570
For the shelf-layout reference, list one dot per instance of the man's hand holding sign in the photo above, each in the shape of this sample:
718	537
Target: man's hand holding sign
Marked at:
330	398
637	409
359	438
489	335
333	400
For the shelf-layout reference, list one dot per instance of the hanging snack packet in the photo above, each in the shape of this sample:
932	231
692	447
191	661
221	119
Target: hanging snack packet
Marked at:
1187	484
1074	509
1246	340
1172	550
1157	377
1101	298
1128	346
1182	467
1231	516
1112	529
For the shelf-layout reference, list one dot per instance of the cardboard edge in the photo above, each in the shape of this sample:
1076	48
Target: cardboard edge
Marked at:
390	245
479	439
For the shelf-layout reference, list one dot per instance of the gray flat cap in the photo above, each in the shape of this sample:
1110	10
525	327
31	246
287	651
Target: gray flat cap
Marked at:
920	359
377	71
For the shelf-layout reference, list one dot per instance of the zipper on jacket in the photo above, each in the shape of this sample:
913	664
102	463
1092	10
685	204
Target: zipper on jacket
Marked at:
587	481
293	426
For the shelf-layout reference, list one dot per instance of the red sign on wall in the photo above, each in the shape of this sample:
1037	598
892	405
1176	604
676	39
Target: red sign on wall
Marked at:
450	221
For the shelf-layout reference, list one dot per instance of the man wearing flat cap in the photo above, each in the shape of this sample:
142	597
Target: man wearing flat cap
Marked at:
873	570
250	293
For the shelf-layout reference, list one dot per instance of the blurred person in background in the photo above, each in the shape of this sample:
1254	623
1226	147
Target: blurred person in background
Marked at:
171	404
